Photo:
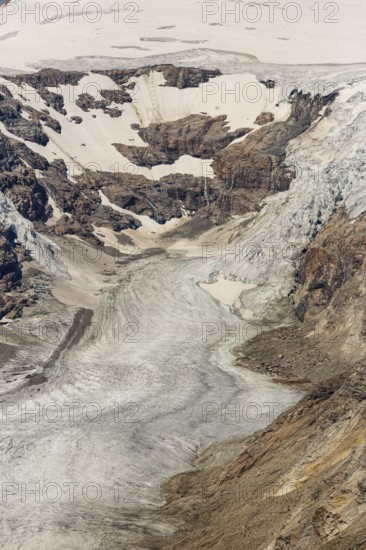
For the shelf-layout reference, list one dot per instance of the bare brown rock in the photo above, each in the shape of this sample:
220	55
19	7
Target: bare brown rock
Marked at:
11	301
15	123
86	102
27	194
178	77
256	166
334	257
264	118
197	135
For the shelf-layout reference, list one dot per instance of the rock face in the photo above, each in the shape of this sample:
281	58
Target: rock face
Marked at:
178	77
26	193
44	116
334	257
87	102
11	304
196	135
264	118
83	206
49	78
258	162
11	116
118	96
14	153
161	200
244	172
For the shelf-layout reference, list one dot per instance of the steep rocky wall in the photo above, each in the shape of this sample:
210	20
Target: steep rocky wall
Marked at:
335	256
11	255
260	160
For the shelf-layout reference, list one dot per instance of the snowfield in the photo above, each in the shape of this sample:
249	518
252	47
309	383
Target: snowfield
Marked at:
35	34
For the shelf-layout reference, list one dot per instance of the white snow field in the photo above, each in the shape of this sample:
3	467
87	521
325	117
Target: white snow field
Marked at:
37	33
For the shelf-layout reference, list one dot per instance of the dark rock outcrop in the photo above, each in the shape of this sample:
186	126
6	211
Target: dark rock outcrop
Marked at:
11	112
196	135
49	78
53	99
44	116
83	206
178	77
270	84
264	118
26	193
76	119
258	163
12	303
86	102
14	153
118	96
